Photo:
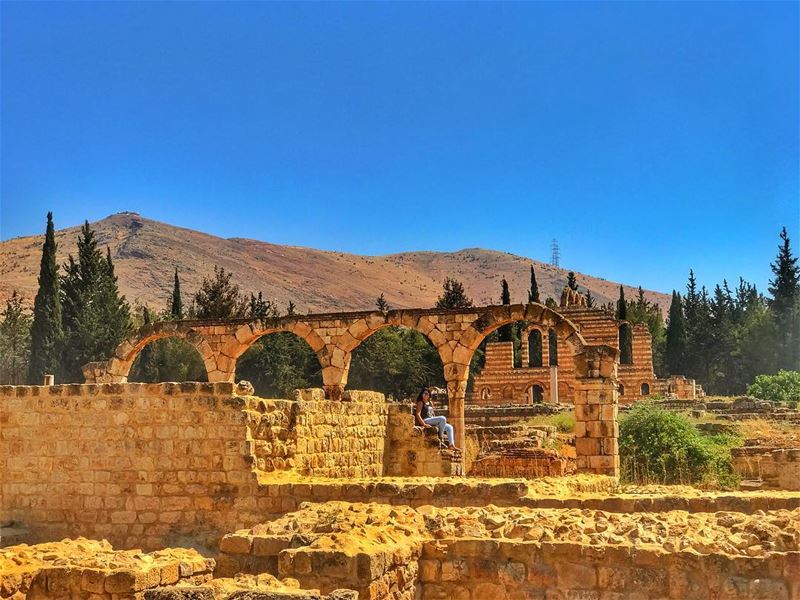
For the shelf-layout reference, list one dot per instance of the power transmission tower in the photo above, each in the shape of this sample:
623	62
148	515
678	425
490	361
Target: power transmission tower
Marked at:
556	253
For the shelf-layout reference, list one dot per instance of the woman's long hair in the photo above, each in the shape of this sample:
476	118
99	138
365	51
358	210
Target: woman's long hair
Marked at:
422	393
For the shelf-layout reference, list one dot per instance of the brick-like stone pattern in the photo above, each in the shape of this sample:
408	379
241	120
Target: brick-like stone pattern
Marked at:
498	570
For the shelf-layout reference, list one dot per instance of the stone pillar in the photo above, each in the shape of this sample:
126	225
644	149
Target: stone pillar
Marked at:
554	384
334	379
456	395
596	402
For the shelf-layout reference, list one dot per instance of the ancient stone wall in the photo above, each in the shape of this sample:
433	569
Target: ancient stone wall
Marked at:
413	451
150	464
137	464
777	469
480	569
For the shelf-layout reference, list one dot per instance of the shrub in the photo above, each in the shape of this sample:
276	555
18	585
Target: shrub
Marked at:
659	446
564	422
784	386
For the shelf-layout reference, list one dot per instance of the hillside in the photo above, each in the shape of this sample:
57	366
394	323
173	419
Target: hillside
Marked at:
146	253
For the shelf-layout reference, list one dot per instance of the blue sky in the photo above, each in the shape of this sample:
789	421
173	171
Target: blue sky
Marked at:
647	138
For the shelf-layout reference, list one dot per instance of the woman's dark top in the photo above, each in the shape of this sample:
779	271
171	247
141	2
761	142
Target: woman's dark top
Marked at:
427	411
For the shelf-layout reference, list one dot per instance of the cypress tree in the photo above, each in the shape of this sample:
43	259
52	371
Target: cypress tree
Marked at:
589	299
572	283
625	334
785	303
176	308
675	352
46	331
533	293
505	332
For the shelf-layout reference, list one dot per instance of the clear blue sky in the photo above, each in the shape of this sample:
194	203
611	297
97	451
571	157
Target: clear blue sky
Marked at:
647	137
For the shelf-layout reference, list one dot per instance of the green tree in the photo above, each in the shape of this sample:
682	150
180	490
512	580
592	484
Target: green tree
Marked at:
533	293
15	343
219	298
145	367
261	309
290	309
395	361
176	307
95	317
453	295
47	335
784	386
589	299
505	333
381	303
676	337
572	283
279	363
625	333
785	303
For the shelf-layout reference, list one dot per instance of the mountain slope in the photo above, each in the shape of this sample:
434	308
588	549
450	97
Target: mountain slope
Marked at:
146	253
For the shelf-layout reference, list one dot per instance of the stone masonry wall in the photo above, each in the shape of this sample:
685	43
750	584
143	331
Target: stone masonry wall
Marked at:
414	451
481	569
151	465
138	464
777	468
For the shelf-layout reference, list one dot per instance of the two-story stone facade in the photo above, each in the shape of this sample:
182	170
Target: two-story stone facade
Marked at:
542	363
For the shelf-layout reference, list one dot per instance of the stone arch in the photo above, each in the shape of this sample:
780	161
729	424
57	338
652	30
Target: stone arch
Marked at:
507	392
119	366
644	389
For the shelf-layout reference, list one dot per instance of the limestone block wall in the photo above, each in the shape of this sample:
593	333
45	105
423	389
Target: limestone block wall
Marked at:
412	451
149	465
777	468
142	465
480	569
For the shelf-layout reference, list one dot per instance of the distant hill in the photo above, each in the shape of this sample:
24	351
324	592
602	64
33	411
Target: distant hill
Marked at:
146	253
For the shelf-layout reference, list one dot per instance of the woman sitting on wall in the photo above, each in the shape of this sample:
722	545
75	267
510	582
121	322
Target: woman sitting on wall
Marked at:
425	418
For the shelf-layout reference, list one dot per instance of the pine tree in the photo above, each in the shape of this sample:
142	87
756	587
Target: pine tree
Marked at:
47	335
219	298
176	307
533	293
260	309
15	344
572	283
785	303
625	334
675	351
505	332
381	303
453	295
95	317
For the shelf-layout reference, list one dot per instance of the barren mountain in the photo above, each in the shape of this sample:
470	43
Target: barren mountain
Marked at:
146	252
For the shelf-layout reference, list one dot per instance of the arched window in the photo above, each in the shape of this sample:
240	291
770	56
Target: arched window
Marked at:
621	390
535	348
625	345
508	393
537	394
552	344
486	393
645	389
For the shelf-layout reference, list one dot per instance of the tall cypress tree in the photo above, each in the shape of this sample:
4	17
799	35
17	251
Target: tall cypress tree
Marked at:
572	282
589	299
625	334
785	303
505	332
675	351
533	293
176	307
46	331
95	317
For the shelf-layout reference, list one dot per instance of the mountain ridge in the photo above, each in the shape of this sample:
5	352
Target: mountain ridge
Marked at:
146	252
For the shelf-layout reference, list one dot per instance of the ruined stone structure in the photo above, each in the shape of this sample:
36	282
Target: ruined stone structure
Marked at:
455	334
543	368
